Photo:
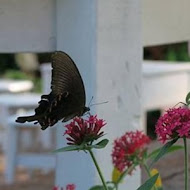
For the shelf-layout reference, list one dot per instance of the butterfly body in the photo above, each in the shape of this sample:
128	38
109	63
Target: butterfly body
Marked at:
67	98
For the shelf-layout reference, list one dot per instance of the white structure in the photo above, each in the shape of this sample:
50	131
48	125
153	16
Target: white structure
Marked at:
10	103
12	86
103	38
27	26
164	84
165	22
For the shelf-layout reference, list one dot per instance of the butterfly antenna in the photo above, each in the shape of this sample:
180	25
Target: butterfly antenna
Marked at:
90	101
98	103
180	103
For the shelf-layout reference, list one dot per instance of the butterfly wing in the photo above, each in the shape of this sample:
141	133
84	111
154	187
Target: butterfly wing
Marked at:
67	98
66	78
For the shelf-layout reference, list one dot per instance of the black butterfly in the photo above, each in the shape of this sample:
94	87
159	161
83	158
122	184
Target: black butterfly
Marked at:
67	97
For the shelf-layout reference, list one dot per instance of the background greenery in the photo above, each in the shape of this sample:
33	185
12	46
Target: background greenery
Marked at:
171	52
10	69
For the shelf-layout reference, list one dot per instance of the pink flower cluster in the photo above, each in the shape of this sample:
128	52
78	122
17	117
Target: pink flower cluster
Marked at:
174	123
128	147
68	187
84	131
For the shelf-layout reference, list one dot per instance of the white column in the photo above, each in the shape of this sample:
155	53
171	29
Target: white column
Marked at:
76	33
118	73
27	26
104	39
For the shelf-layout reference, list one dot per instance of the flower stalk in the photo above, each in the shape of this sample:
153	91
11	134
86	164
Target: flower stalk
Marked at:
148	172
98	169
123	175
186	163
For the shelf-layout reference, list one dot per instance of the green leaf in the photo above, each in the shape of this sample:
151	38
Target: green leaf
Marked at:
69	148
164	150
100	187
100	144
97	187
149	183
171	149
187	99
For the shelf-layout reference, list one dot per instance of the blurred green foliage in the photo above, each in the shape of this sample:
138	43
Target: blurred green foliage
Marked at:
19	75
37	85
172	52
7	61
15	74
177	52
9	69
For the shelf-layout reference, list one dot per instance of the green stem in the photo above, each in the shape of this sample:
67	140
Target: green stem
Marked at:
98	169
147	169
148	172
125	173
186	163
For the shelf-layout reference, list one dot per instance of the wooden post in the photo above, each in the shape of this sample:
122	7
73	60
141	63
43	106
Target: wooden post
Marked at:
104	39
